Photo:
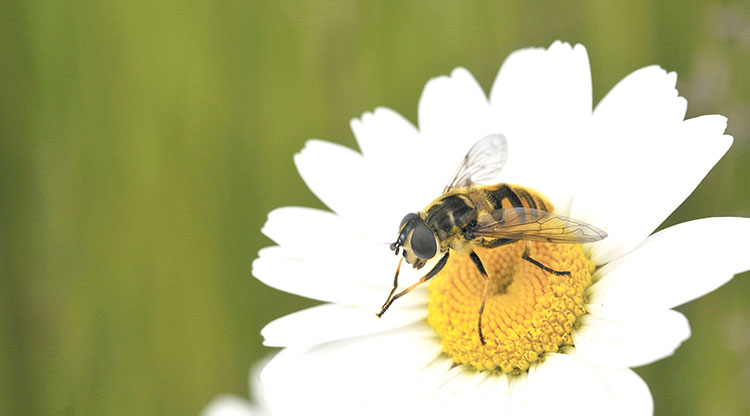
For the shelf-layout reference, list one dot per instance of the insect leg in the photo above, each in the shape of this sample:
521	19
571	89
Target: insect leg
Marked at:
480	266
395	284
540	265
439	266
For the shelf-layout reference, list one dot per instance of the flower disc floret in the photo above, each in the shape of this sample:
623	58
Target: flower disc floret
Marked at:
528	312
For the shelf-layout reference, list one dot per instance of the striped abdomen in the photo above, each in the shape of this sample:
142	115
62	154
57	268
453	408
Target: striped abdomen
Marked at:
506	196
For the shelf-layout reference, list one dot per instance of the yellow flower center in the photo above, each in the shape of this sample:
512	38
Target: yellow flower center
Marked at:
528	311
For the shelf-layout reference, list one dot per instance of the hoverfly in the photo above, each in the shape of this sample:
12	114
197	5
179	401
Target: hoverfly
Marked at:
471	213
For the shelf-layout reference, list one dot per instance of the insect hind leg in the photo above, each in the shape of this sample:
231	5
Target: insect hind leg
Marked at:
540	265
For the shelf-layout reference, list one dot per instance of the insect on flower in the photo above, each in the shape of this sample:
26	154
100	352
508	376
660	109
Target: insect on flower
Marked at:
471	213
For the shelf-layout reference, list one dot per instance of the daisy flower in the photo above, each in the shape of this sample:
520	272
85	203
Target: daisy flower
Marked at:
554	343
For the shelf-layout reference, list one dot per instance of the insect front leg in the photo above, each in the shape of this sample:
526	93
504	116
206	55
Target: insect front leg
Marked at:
480	266
435	270
395	286
540	265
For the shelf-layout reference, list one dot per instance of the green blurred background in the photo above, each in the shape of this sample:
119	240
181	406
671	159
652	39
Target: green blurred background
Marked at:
143	143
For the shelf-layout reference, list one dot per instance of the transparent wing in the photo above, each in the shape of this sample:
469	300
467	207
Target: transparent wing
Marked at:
536	225
482	163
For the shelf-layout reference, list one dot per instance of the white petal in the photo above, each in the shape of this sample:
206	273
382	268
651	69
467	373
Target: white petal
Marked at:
518	387
382	134
629	394
257	390
339	177
543	101
384	374
647	94
397	372
630	343
674	266
470	392
227	405
331	322
301	227
324	239
394	153
554	83
453	111
552	384
644	160
369	196
319	280
453	115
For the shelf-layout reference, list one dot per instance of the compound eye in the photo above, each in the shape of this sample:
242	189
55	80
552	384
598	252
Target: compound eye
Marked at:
406	219
423	242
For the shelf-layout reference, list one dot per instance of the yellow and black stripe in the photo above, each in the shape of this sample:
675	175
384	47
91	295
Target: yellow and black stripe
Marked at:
454	216
504	196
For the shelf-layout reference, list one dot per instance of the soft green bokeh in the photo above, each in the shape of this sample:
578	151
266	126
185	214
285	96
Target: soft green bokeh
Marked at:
143	144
